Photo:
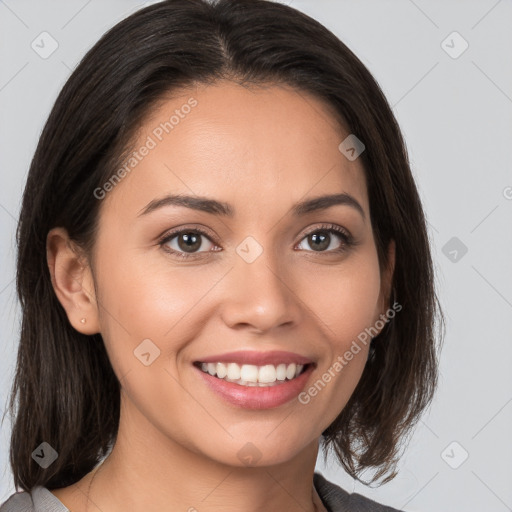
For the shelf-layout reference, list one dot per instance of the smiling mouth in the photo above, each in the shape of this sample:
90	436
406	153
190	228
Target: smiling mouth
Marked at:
252	375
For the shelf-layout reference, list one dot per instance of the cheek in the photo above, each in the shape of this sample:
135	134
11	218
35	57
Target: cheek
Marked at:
145	297
140	301
344	298
144	324
346	303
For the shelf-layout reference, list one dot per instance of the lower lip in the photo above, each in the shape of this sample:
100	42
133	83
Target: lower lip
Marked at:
254	397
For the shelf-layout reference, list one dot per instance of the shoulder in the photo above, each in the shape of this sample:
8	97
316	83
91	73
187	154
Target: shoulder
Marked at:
337	499
39	499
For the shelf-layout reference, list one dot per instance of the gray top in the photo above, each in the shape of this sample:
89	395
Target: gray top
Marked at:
334	498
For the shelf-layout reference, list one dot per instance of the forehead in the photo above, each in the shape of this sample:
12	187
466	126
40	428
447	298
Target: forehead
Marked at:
258	144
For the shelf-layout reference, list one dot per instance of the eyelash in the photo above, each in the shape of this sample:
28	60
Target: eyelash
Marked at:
347	239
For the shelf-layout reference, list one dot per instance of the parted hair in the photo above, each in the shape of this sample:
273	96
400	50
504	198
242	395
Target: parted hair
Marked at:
65	391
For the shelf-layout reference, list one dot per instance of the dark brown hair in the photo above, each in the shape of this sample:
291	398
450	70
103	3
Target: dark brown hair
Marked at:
65	391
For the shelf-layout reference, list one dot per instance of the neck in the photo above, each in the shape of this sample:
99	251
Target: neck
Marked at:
147	470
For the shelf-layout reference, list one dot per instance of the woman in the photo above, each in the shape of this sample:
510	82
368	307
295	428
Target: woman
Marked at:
223	265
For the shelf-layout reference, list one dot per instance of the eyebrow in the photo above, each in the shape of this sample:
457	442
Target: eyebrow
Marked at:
215	207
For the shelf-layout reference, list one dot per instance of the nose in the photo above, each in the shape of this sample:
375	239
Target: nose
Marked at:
260	296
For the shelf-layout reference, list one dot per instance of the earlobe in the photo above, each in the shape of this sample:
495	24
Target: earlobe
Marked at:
72	281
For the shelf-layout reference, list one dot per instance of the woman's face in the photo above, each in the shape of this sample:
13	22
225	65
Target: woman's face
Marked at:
264	278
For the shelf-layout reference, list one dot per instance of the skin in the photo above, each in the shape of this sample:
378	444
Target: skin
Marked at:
261	150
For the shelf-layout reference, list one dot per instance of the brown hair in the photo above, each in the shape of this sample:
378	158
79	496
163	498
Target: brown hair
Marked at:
65	391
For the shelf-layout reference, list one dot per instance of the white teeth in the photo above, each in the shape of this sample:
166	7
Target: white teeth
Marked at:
281	371
252	375
267	373
222	370
233	371
249	372
290	371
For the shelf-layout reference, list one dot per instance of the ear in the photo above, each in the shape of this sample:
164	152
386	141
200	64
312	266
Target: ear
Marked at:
387	277
387	281
72	281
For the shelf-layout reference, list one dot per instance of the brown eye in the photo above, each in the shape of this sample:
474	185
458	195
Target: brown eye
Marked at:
323	239
319	241
186	242
189	242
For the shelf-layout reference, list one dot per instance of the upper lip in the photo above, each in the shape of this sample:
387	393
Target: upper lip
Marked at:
257	358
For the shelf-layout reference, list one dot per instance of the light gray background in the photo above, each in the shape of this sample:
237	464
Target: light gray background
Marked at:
456	115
